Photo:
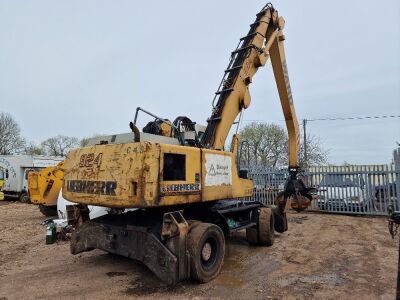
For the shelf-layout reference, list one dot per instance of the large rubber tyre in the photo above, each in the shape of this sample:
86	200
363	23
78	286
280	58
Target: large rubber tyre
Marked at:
48	211
281	223
252	236
266	234
206	246
24	198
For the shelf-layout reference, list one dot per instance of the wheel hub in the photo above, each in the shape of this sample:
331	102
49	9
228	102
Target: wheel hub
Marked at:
206	252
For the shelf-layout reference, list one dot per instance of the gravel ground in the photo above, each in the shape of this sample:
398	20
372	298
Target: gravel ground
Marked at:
322	256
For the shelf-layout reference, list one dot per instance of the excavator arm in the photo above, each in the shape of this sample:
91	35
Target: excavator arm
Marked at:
264	41
233	93
279	67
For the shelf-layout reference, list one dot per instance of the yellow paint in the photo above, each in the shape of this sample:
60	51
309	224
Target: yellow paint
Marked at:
1	186
137	170
267	44
2	182
133	175
44	185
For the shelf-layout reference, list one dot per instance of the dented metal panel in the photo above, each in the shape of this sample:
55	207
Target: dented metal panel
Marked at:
45	185
138	175
119	175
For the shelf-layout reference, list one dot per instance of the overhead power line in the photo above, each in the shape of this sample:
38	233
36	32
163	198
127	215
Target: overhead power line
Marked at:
305	121
334	119
354	118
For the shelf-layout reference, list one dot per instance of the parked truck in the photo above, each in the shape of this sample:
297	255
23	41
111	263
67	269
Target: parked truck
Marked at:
16	169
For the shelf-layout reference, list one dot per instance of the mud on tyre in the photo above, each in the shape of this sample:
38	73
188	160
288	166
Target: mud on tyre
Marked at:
263	234
206	246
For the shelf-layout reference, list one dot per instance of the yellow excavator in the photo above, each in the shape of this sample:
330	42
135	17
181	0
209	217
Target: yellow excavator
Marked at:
189	193
1	184
44	186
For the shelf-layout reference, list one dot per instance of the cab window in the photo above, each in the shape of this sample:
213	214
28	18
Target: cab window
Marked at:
174	167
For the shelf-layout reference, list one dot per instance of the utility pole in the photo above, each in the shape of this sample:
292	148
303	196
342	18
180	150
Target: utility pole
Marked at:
248	155
305	158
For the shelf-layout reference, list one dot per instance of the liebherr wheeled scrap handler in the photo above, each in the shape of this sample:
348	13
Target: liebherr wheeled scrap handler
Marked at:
187	190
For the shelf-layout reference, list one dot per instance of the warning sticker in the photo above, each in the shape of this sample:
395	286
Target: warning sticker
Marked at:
218	170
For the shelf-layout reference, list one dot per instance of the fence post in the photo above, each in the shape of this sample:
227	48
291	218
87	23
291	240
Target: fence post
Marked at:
396	160
305	158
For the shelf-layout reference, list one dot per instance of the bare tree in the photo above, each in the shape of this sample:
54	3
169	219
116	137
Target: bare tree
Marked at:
59	145
33	149
10	135
267	144
316	154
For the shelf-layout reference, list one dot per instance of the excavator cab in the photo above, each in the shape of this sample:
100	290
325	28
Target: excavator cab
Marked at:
187	133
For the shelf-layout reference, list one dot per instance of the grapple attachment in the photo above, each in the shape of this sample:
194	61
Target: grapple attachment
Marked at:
296	194
300	203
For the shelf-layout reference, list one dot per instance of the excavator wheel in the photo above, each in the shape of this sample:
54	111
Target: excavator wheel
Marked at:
252	236
263	234
266	227
206	246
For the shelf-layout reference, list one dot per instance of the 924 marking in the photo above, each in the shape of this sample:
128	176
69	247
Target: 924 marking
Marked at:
89	161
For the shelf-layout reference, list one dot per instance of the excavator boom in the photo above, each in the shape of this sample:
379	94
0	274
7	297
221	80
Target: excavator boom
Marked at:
263	41
279	66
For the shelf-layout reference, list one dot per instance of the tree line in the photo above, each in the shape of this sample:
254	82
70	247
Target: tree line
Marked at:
12	142
261	144
266	144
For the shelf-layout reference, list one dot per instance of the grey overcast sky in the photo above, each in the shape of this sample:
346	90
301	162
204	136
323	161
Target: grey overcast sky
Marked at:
82	67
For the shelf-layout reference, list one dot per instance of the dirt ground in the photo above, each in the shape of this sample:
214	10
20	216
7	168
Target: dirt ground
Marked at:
322	256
